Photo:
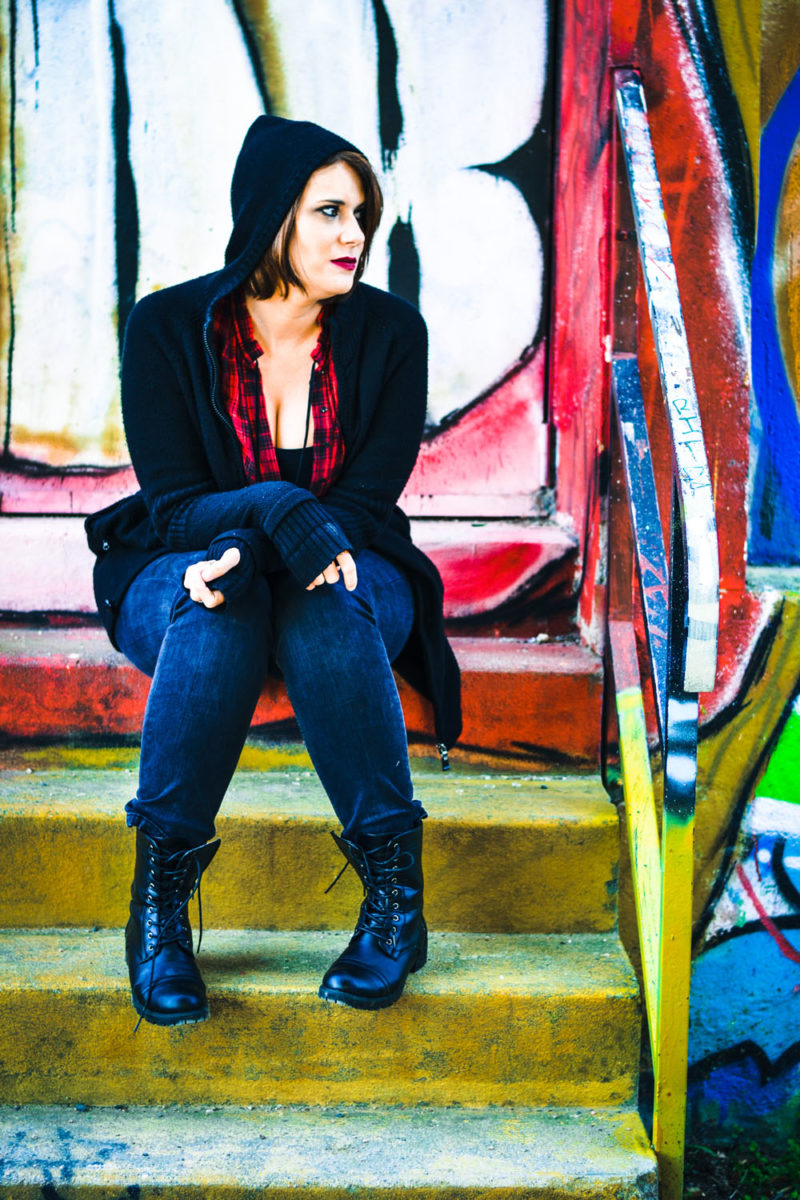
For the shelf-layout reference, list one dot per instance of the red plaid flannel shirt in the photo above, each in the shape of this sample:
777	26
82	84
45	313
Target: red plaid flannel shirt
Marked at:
242	392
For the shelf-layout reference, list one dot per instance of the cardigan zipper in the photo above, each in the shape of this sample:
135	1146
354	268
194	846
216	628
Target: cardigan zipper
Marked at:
213	368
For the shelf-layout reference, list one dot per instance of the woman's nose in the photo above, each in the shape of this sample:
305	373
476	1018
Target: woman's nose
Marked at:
352	233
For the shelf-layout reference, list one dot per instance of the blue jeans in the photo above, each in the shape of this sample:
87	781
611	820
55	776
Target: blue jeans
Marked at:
334	649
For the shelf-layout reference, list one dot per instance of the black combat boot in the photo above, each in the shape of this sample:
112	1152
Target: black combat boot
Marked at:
390	938
165	982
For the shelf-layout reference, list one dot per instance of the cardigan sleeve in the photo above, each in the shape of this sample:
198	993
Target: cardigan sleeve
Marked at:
363	498
165	439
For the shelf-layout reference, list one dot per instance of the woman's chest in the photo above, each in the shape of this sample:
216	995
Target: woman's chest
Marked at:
285	387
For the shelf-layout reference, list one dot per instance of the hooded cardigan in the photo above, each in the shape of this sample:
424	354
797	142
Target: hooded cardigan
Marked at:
187	457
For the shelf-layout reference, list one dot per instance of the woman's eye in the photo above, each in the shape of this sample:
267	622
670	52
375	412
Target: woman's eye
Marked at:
330	210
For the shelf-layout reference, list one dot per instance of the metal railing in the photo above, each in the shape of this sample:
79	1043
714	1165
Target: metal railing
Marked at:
678	600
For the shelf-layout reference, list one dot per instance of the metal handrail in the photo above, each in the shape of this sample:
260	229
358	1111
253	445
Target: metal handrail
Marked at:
677	384
680	606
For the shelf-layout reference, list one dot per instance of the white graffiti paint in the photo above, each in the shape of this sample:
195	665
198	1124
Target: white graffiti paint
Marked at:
470	82
64	368
192	100
766	823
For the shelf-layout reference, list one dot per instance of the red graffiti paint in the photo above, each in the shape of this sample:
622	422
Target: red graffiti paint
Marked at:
784	945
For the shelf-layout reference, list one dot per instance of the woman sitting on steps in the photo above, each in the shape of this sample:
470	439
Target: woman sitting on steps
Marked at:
274	410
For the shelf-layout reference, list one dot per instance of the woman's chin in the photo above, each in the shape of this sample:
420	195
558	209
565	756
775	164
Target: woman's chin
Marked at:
337	293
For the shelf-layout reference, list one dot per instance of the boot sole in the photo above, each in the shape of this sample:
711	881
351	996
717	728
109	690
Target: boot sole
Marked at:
193	1017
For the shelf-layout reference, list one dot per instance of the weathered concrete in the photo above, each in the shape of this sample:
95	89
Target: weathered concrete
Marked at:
522	1019
535	703
64	830
326	1154
483	564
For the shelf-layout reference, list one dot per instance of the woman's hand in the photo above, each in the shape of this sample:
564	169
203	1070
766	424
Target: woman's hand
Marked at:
199	575
343	562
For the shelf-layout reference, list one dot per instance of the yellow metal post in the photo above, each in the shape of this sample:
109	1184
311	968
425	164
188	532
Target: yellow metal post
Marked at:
670	1058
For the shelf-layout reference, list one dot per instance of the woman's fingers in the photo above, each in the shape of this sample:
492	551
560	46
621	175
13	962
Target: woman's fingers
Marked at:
199	577
213	568
199	590
343	562
347	566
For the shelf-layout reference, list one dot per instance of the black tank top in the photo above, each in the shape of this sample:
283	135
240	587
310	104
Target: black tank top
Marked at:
289	463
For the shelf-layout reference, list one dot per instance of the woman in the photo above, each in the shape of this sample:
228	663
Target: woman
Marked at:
274	411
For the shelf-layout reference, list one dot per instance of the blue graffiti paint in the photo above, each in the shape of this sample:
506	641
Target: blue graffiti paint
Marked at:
735	1093
778	480
745	1038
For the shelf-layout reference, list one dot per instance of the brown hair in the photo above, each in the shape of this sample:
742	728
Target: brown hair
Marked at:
275	272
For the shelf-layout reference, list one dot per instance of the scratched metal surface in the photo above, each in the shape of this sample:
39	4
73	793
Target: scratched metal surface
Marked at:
677	382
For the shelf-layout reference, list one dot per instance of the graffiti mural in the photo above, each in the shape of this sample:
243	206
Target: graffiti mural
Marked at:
118	153
710	93
775	517
745	1052
117	140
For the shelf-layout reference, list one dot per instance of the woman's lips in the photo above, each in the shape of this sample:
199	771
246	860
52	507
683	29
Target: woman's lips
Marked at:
347	264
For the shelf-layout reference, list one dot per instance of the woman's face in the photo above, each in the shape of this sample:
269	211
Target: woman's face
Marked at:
328	239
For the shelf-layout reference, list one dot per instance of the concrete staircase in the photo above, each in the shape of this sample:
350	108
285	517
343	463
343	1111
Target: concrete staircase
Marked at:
508	1068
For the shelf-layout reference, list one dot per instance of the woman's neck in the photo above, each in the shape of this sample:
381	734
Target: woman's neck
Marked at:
284	323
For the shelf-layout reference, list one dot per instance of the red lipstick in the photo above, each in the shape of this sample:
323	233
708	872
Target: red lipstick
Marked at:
347	264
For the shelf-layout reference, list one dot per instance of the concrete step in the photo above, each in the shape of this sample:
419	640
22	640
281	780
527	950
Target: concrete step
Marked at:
492	1019
502	853
537	704
487	566
179	1153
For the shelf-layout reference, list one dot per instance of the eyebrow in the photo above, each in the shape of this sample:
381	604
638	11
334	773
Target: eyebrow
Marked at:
341	202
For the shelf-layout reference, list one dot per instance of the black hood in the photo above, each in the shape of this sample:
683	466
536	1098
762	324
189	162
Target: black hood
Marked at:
275	161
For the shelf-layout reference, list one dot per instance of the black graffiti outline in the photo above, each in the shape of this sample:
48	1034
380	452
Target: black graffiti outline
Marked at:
126	207
785	886
768	1068
784	921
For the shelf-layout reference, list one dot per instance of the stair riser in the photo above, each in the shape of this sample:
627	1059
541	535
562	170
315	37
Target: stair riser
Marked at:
586	1189
528	703
328	1153
272	874
77	1046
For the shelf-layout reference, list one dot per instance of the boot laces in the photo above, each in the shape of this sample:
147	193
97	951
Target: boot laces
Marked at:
164	888
380	908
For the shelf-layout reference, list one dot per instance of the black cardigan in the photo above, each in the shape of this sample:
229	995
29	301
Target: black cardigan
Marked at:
188	464
187	458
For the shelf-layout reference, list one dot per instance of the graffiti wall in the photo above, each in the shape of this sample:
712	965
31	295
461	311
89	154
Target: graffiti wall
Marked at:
744	1050
118	135
723	94
118	141
703	161
744	1045
775	437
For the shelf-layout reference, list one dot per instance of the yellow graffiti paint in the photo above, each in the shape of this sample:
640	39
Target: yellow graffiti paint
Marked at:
740	30
780	50
262	24
786	271
728	761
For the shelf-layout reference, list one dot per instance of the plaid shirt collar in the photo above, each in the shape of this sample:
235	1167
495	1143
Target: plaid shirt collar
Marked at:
243	395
